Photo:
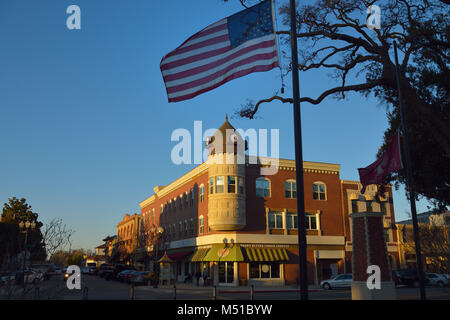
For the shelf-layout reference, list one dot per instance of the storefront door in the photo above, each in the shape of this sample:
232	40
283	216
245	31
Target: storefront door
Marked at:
226	272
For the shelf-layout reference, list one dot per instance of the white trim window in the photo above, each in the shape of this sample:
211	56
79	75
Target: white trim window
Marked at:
319	191
162	209
262	187
202	193
275	220
290	188
291	220
311	221
201	224
220	184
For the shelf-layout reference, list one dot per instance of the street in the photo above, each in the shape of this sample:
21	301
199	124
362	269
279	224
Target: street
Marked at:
96	288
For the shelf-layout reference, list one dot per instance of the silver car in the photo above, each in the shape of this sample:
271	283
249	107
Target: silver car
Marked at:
338	281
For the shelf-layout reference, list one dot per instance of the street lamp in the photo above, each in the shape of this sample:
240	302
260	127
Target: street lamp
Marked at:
156	234
24	227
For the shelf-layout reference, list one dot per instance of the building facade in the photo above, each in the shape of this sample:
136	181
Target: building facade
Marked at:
241	225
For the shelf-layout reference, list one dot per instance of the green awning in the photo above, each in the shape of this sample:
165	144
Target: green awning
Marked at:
199	255
221	253
266	254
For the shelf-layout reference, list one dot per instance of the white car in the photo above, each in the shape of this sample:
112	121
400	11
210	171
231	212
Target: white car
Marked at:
437	279
338	281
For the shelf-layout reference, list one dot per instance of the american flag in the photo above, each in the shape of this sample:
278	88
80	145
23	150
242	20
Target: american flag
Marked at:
228	49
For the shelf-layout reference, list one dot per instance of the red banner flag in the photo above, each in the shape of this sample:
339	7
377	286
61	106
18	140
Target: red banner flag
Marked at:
390	161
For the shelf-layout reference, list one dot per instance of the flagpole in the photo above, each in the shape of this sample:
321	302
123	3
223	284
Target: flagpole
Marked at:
410	181
303	277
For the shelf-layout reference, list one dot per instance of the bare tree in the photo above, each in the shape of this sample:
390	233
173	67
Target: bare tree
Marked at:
56	236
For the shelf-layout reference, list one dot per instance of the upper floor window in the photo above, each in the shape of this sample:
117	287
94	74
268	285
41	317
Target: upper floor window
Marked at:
369	206
311	222
181	228
319	191
211	185
241	185
275	220
186	199
202	193
231	184
291	220
192	197
355	206
220	184
162	209
262	187
201	225
290	188
383	207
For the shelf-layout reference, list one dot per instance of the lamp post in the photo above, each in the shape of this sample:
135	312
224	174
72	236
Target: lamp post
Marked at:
24	227
156	234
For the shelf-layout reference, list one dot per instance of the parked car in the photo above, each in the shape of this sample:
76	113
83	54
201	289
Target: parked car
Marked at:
436	279
409	277
141	278
105	270
84	270
127	277
338	281
7	278
67	275
58	270
121	275
92	266
118	268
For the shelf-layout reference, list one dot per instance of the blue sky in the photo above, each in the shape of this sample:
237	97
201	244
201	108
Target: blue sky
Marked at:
85	125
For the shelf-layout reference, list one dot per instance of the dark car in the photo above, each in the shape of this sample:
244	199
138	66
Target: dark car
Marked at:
118	268
409	277
123	274
105	270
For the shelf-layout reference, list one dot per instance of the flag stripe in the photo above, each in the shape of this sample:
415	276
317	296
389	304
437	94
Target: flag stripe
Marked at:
210	75
216	31
224	44
212	61
253	67
234	76
200	45
207	69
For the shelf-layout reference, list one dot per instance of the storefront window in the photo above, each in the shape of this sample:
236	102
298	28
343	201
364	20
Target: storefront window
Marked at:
264	270
275	220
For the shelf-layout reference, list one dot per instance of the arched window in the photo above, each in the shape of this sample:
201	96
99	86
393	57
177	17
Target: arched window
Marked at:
290	188
201	225
202	193
262	187
211	185
192	197
319	191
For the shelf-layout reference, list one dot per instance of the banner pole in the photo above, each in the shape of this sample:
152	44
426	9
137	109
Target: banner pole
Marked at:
303	276
410	180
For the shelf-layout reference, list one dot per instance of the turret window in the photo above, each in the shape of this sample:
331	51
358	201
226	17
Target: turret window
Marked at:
220	181
231	184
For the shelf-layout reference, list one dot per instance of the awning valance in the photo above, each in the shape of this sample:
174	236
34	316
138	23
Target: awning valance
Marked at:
199	255
266	254
179	255
220	252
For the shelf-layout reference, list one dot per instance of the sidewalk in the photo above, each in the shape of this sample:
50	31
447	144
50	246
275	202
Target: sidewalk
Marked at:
231	289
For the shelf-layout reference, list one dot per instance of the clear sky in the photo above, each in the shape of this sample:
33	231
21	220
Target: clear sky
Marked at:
85	126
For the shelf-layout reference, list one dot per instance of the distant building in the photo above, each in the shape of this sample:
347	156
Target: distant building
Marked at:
434	231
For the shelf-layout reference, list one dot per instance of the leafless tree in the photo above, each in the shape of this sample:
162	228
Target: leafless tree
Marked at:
56	236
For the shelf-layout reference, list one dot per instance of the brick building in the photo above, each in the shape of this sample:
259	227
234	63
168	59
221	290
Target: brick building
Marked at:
242	226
